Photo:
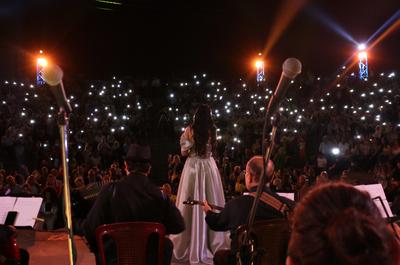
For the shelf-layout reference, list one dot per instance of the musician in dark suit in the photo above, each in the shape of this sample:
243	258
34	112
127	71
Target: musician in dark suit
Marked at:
134	198
236	211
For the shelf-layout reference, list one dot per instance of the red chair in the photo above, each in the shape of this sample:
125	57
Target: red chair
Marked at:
131	240
10	249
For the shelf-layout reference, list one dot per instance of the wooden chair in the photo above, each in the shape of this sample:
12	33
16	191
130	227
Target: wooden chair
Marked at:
270	241
131	240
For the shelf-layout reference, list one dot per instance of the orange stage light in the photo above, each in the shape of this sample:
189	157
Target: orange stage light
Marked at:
42	62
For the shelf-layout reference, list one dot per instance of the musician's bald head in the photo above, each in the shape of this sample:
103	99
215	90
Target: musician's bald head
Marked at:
254	171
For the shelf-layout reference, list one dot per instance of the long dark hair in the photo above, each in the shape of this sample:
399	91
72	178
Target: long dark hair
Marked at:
203	128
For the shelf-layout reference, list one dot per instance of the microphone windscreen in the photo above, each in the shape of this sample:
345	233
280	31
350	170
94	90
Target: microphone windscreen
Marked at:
52	74
291	68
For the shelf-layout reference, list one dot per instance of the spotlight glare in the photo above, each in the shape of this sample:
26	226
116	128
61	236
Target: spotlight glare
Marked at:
42	62
335	151
361	47
362	55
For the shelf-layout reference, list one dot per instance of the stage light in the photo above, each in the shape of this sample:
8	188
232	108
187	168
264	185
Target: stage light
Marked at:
362	55
361	47
42	62
259	64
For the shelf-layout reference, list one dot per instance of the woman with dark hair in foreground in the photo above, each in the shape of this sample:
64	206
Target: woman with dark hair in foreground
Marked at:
338	224
200	180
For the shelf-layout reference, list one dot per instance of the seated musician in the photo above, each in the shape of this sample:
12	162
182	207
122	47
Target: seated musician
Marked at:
338	224
134	198
236	211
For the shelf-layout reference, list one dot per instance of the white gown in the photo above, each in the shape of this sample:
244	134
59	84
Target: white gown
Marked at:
200	180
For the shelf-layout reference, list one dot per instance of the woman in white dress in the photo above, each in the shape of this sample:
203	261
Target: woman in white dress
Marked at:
200	180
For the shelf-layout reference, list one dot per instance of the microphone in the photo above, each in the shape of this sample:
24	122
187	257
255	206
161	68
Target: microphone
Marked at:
52	75
290	69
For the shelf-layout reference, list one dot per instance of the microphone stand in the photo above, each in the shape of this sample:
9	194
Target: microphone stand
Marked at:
247	251
62	120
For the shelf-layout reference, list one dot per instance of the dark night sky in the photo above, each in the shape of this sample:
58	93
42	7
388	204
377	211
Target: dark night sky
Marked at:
172	38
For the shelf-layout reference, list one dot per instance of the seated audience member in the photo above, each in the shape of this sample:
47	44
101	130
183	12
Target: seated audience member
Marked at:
302	187
49	209
322	178
33	187
167	191
12	188
79	182
338	224
236	211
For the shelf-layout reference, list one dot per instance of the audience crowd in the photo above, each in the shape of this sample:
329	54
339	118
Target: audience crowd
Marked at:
329	129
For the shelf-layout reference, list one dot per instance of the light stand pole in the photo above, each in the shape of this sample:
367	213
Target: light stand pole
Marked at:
62	120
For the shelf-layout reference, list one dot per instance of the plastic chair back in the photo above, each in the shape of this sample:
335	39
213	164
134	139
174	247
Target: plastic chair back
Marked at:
131	240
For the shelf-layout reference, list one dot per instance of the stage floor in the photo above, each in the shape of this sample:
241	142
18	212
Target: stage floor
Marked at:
52	248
